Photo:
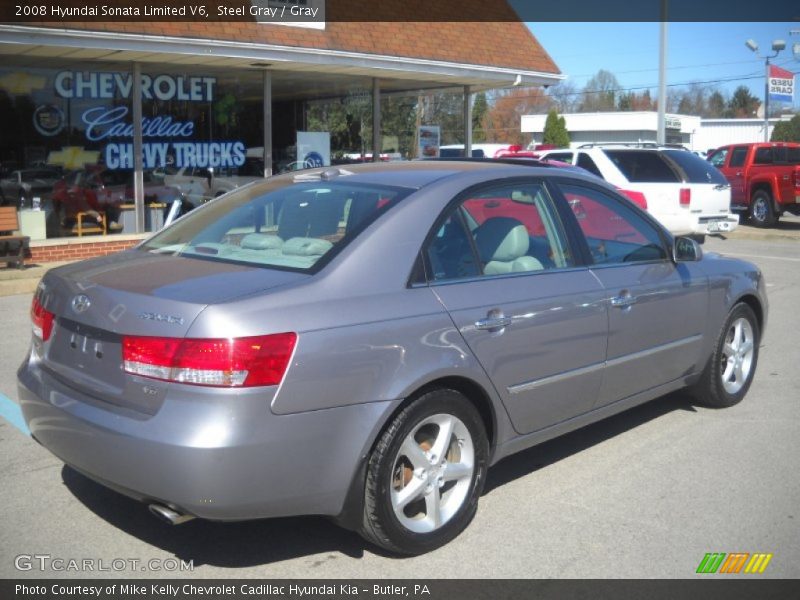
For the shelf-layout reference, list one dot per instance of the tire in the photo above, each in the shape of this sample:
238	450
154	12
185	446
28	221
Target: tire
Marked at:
722	384
411	504
762	213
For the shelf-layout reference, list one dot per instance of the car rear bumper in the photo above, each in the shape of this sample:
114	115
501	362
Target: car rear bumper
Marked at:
218	454
697	224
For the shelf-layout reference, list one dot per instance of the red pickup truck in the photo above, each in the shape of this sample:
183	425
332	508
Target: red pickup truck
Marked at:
764	178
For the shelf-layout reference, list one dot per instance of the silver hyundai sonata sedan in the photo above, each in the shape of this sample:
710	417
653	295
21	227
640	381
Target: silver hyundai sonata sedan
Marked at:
366	342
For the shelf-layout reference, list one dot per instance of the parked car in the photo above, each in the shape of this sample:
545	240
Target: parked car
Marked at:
365	342
199	185
20	186
764	178
686	194
479	150
98	190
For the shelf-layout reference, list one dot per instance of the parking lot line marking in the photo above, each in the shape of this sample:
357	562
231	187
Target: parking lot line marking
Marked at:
12	413
763	256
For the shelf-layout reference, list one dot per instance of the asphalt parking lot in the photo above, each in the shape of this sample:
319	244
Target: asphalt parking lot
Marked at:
643	494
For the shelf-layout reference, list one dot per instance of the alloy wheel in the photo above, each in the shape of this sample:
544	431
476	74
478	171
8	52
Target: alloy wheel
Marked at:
432	473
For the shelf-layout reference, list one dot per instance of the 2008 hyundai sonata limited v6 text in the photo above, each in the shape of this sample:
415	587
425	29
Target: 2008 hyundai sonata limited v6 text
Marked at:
365	342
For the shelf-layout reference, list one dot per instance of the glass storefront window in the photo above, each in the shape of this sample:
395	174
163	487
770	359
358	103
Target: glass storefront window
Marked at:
68	139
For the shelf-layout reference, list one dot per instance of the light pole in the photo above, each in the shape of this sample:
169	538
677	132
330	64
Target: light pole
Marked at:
777	46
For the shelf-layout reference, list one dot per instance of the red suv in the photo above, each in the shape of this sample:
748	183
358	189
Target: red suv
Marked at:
764	178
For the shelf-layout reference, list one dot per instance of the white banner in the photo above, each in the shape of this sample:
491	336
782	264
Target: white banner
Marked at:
314	148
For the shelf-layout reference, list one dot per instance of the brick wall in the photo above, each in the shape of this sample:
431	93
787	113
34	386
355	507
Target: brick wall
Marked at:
62	252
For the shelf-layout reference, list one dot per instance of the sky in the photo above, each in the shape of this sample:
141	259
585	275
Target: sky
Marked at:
712	52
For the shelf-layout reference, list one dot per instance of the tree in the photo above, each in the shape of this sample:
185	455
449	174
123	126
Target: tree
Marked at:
504	117
787	131
479	110
564	96
742	104
716	105
555	130
600	92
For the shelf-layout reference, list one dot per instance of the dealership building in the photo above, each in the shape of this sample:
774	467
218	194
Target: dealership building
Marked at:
144	99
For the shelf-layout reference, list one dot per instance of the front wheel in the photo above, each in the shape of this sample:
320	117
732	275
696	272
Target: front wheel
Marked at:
425	474
762	213
730	370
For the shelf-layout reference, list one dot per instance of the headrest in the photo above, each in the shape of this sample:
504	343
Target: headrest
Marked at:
261	241
501	238
300	246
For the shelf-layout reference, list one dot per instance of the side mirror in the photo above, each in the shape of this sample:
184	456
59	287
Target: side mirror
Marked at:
686	250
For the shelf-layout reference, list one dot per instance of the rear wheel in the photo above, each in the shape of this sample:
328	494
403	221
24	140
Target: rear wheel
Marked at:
762	213
730	370
425	475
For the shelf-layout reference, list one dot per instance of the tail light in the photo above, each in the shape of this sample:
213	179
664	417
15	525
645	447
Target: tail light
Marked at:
636	197
42	320
223	362
685	197
797	179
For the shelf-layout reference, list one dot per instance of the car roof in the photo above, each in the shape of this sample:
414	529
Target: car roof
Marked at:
419	173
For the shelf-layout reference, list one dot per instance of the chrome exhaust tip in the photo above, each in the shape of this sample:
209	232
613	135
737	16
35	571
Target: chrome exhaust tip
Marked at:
165	513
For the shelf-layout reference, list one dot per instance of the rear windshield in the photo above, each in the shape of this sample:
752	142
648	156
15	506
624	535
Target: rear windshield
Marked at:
295	227
695	169
643	166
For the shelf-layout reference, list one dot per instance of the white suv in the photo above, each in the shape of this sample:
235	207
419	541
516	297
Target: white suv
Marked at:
685	193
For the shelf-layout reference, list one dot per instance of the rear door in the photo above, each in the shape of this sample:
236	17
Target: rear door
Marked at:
656	309
735	174
786	159
534	317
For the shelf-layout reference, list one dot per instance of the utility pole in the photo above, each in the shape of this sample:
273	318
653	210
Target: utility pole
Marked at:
661	136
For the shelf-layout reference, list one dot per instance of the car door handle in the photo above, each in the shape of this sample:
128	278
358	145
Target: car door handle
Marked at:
623	301
493	323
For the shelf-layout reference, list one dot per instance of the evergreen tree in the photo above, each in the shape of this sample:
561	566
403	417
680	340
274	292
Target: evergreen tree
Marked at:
479	109
555	130
787	131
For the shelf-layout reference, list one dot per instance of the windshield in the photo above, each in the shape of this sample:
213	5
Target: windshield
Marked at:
280	226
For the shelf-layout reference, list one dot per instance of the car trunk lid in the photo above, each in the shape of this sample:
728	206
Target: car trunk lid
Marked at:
97	302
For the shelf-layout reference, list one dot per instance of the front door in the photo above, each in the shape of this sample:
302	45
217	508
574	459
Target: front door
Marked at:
656	309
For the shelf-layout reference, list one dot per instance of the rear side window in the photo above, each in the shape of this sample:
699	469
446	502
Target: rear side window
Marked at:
503	230
784	155
763	156
643	166
695	168
738	156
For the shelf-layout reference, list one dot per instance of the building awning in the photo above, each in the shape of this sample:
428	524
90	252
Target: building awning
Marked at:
397	73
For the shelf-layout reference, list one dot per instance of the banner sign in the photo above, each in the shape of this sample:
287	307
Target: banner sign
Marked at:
428	141
314	148
781	84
